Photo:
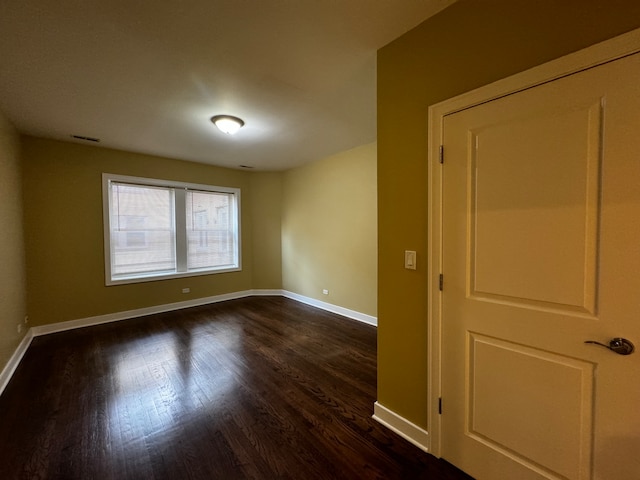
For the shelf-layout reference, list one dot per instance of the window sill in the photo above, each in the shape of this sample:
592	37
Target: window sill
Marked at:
142	278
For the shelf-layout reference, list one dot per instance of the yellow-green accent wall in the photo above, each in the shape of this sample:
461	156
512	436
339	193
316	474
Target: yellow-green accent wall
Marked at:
329	238
64	231
469	44
13	301
322	215
266	205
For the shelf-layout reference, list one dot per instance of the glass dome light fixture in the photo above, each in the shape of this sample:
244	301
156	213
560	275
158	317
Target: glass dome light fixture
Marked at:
227	123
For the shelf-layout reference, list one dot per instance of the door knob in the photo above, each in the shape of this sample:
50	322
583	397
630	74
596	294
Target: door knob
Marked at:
621	346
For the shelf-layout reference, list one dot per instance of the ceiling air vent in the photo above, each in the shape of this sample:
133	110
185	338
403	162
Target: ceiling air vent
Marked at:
86	139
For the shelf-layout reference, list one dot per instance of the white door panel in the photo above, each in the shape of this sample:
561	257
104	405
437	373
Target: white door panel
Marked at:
540	252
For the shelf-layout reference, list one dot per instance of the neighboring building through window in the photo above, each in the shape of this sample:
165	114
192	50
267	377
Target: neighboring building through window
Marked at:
156	229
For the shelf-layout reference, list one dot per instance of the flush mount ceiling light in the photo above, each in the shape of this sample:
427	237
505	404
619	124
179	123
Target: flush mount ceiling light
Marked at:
227	123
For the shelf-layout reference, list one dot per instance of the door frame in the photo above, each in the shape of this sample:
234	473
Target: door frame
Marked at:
598	54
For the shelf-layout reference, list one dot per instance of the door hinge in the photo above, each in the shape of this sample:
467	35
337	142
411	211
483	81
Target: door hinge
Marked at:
440	405
441	153
441	282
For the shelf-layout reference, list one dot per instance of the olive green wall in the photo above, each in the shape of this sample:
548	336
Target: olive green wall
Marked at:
12	264
329	238
64	231
266	205
322	215
469	44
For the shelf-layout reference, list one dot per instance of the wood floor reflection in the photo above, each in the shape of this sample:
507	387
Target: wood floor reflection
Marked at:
259	388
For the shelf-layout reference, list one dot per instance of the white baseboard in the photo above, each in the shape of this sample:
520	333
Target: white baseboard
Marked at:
139	312
115	317
9	369
345	312
403	427
12	364
267	292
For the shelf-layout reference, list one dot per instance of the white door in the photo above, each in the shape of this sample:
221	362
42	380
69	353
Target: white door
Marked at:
540	253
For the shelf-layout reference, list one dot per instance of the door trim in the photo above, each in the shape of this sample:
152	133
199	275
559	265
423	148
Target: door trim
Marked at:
598	54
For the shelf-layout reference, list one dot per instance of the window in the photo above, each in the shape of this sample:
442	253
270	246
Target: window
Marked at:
156	229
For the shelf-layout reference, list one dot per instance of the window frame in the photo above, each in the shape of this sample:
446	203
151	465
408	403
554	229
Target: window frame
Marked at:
180	240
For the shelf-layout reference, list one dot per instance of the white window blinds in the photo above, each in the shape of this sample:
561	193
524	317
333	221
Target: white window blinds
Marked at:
210	232
160	229
142	230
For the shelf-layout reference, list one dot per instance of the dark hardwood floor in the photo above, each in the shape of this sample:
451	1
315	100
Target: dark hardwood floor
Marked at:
261	388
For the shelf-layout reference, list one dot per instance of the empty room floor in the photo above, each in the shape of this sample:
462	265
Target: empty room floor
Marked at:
256	388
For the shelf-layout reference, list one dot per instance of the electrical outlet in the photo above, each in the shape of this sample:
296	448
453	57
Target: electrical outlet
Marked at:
325	292
19	328
186	290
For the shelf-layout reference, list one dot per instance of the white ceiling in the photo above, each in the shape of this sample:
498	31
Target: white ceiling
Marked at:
147	75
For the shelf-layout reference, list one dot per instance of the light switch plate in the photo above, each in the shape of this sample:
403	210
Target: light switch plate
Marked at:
410	258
